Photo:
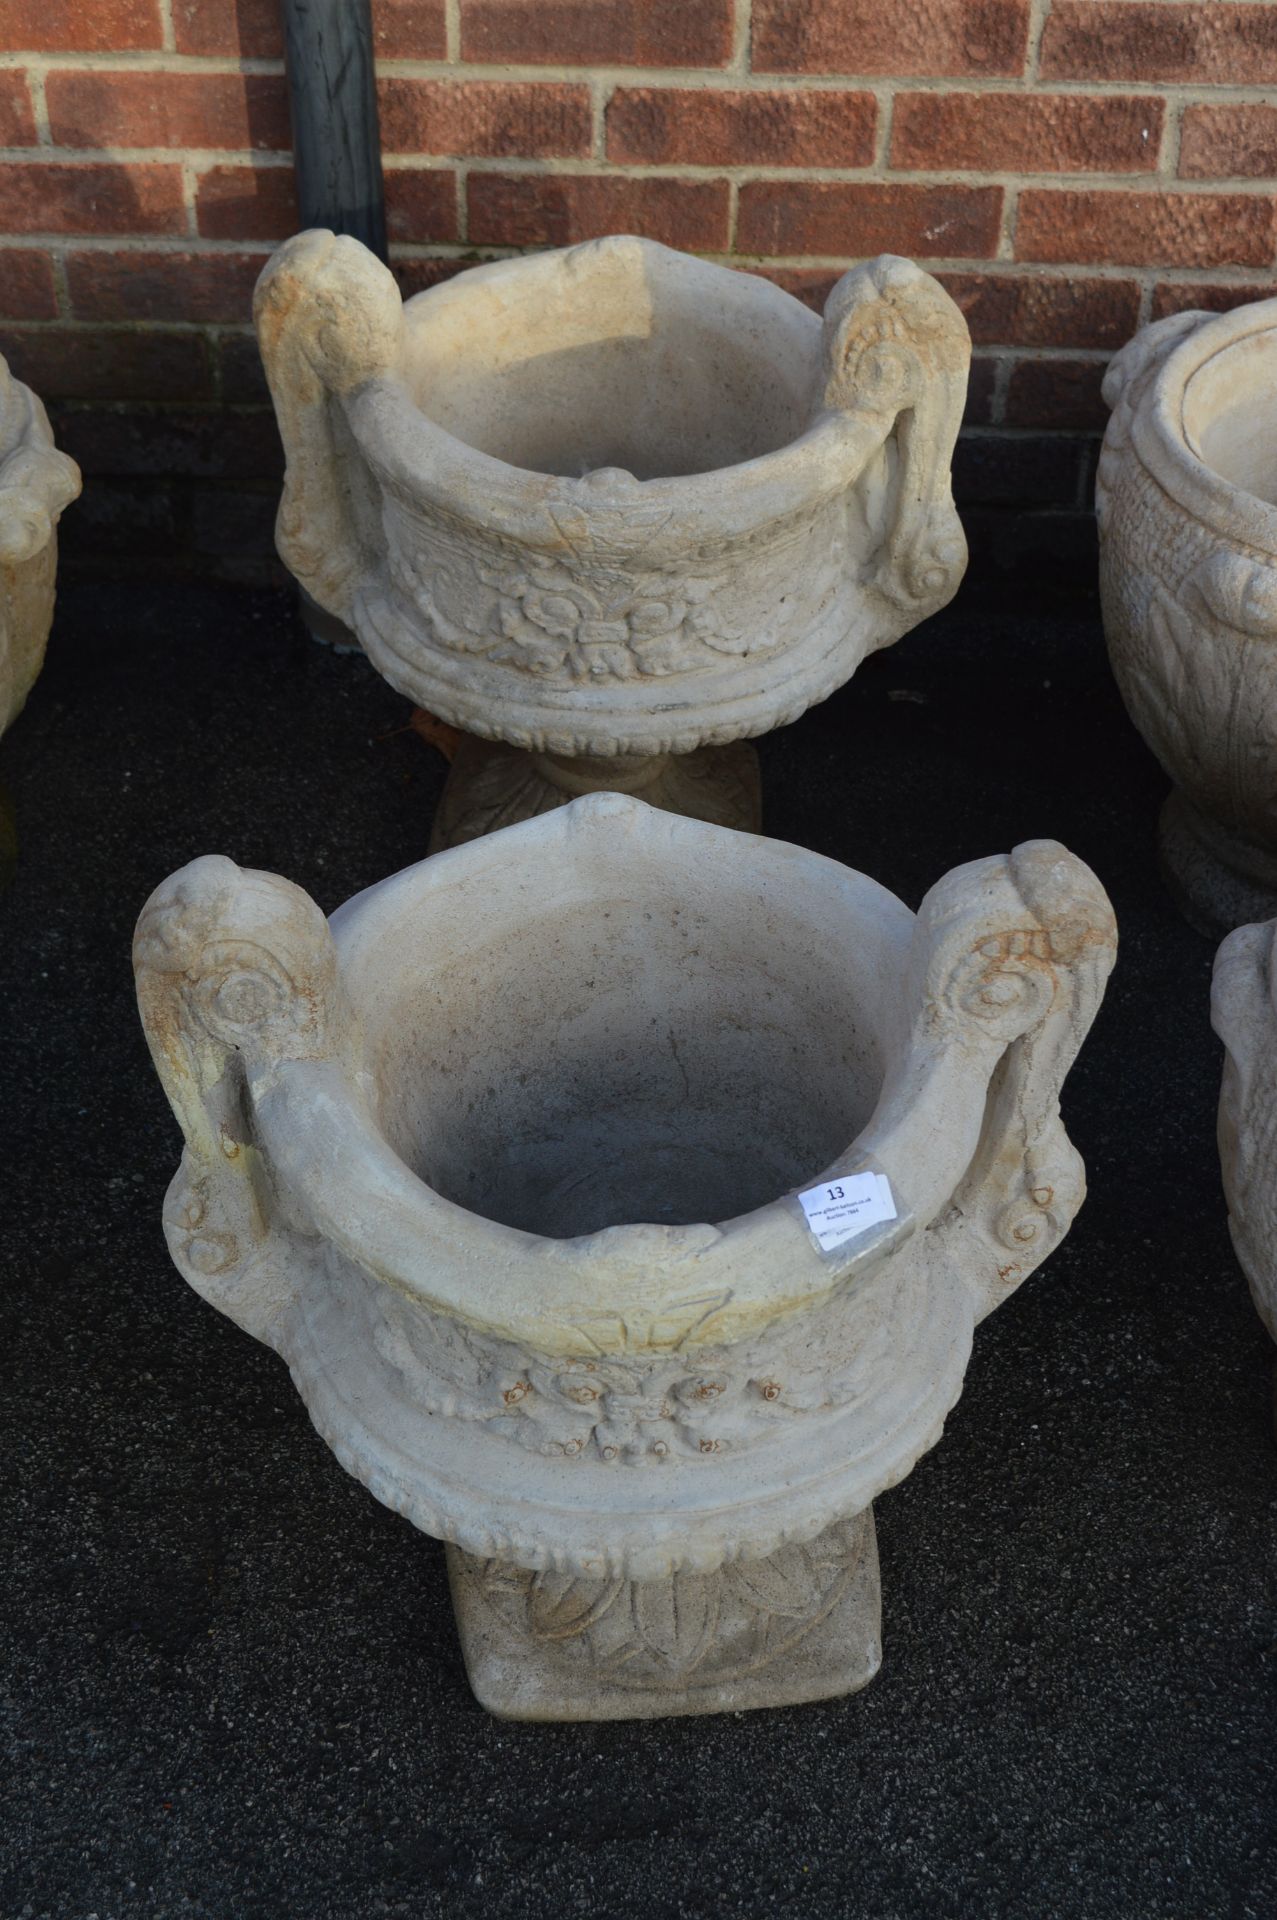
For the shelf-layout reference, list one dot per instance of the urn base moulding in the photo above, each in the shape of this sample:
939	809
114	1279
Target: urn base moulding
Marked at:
803	1624
1187	504
512	1161
612	508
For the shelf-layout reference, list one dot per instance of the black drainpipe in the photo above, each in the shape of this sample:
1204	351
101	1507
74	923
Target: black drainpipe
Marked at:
332	90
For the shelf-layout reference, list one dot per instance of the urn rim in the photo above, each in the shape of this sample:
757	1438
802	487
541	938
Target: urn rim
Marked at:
401	1231
1171	451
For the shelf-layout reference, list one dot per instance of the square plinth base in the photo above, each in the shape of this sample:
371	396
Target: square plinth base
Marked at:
803	1624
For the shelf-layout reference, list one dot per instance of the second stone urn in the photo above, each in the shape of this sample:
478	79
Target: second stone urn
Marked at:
613	510
36	482
623	1193
1187	503
1244	1015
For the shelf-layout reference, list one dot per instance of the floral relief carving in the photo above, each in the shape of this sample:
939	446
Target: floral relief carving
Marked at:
645	1406
601	617
1205	692
690	1630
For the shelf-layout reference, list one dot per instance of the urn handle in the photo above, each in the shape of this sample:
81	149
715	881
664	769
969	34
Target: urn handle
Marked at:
328	317
1238	589
897	349
236	975
1008	965
36	481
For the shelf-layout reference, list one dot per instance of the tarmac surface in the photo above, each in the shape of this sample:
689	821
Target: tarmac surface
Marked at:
230	1687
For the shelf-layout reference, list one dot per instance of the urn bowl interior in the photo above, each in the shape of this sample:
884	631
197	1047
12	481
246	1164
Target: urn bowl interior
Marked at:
1230	414
662	1042
616	354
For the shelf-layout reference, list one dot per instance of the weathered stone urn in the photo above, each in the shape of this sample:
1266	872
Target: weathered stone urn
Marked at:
1187	501
622	1193
1244	1015
612	509
36	482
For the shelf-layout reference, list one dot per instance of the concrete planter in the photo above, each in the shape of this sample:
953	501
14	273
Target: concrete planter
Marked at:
613	509
36	482
1187	502
1244	1015
504	1160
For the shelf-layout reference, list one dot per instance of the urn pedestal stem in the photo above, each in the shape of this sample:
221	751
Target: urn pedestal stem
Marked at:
493	785
1217	879
803	1624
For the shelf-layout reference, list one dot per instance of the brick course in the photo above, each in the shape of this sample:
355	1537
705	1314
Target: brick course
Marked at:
1222	142
1026	132
545	209
867	36
1068	168
729	127
854	218
1230	44
485	118
574	33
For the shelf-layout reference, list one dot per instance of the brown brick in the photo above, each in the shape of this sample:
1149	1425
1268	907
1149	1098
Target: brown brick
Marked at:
978	411
416	276
876	36
240	371
409	29
209	443
212	288
1025	132
1147	229
27	290
119	520
17	121
95	109
79	26
488	118
246	203
1212	44
91	198
527	210
626	33
82	363
858	218
1211	296
713	127
1220	143
234	525
1057	393
1031	309
421	204
249	29
997	469
811	285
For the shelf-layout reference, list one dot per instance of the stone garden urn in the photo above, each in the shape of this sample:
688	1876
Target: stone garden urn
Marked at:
622	1193
1187	502
36	482
611	509
1244	1015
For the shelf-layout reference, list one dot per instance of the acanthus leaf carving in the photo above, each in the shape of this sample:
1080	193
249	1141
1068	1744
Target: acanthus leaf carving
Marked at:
691	1629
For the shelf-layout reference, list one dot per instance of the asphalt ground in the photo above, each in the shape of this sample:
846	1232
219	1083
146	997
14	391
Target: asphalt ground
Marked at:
230	1681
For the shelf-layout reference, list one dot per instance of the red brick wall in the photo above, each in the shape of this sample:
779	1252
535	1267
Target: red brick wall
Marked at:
1068	168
